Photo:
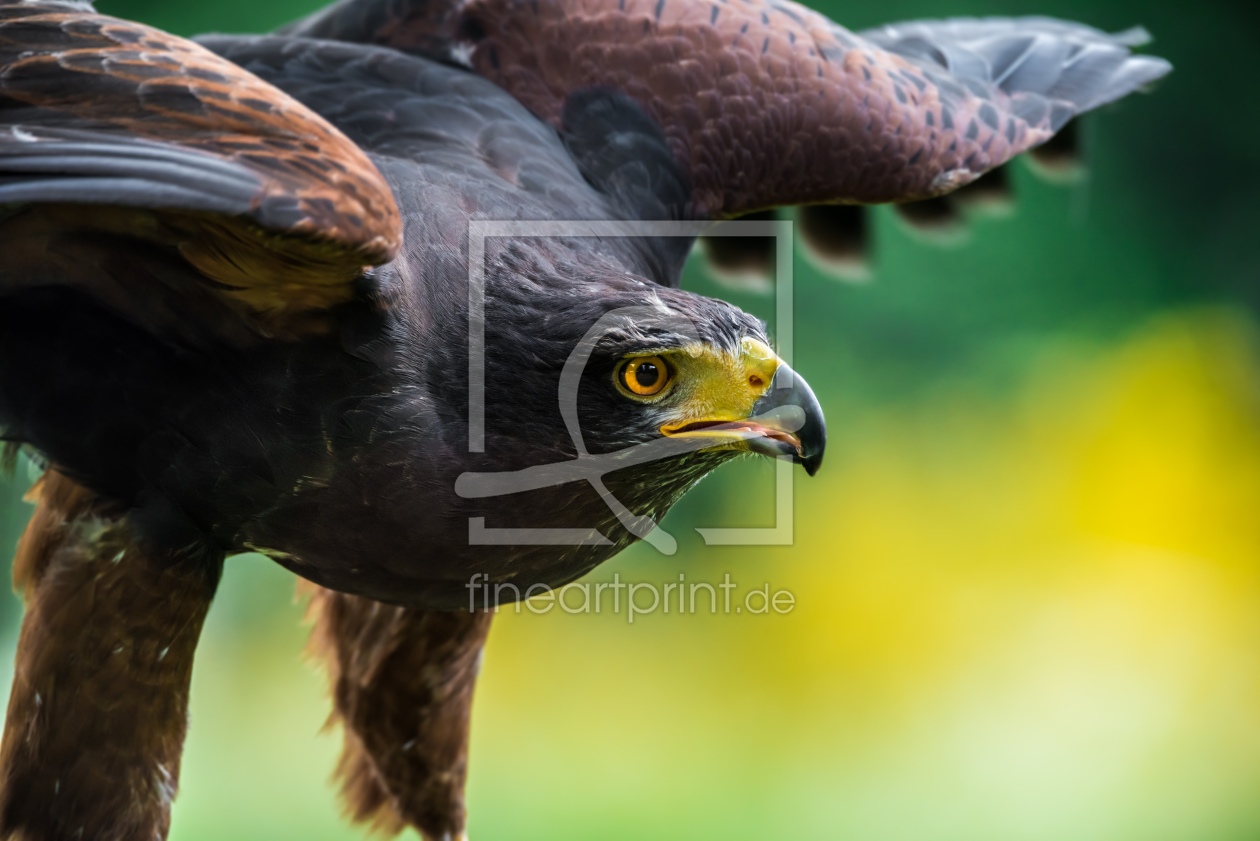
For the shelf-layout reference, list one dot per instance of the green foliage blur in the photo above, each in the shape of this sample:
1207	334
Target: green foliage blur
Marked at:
1027	581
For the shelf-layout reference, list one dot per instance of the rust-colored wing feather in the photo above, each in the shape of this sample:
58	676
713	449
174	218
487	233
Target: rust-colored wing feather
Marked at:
256	191
769	103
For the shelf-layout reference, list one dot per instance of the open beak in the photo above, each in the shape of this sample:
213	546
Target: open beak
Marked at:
785	421
794	420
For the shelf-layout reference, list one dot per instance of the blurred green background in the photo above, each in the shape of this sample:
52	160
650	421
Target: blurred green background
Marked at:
1027	582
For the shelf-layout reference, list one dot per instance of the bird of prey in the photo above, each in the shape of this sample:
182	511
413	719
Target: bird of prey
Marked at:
239	313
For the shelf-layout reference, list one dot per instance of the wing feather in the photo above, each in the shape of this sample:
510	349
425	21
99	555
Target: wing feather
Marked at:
768	103
266	199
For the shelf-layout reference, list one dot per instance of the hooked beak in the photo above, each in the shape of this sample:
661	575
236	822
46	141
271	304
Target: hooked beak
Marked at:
791	410
785	421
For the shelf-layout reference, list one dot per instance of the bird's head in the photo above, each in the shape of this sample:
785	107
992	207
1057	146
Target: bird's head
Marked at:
593	404
716	388
660	383
603	399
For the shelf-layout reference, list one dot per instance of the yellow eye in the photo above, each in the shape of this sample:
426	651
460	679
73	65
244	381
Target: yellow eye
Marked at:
645	375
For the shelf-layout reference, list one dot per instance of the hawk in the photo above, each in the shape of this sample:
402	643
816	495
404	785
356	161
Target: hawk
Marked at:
240	311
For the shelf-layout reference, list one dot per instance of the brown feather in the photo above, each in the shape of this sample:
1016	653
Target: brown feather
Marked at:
322	211
98	712
768	103
402	684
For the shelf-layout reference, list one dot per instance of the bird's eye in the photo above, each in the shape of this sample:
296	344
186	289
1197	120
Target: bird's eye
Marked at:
645	375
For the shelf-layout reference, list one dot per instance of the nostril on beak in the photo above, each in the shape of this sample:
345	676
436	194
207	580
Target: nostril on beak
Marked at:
797	399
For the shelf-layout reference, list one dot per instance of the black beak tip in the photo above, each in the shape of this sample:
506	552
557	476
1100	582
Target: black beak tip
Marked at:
813	433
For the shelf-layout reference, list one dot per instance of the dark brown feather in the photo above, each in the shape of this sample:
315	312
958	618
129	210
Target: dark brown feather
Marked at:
402	685
97	716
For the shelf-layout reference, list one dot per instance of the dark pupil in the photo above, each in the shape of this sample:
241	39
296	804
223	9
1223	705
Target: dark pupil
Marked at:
646	375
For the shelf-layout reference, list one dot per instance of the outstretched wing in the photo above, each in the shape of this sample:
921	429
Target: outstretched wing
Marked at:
455	145
768	104
275	211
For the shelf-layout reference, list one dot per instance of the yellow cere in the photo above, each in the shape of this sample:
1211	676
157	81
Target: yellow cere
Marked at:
714	385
